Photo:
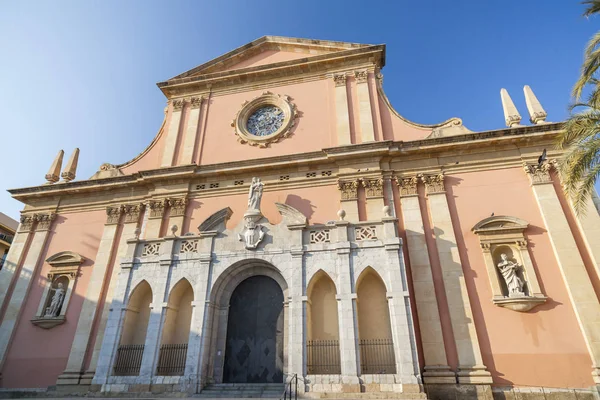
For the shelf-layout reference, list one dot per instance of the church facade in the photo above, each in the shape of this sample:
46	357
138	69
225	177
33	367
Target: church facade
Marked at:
287	223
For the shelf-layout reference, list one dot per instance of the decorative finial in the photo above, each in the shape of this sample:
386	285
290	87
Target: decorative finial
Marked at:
174	229
137	233
71	168
54	172
537	114
511	115
387	211
342	214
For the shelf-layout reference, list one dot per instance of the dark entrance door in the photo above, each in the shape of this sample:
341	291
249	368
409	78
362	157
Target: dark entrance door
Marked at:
254	346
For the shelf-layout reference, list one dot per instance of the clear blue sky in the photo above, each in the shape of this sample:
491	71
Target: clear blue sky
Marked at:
83	73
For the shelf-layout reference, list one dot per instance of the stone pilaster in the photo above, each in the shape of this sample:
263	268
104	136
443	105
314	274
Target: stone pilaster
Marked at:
297	315
589	225
191	131
436	368
172	134
577	281
470	363
341	110
346	313
405	346
177	206
28	271
374	193
156	210
349	198
367	132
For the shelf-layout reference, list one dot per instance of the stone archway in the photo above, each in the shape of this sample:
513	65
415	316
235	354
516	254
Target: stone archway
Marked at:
223	301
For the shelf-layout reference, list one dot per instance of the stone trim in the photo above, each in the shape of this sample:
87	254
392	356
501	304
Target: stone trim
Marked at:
349	189
373	187
407	185
44	221
177	206
433	183
27	222
539	173
157	208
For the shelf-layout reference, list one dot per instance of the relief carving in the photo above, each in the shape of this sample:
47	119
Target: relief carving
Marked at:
434	183
26	223
407	185
157	208
178	206
539	173
132	212
113	214
44	220
196	102
373	186
339	79
349	189
178	105
361	76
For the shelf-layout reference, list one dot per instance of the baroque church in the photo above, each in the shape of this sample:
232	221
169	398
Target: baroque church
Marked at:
288	230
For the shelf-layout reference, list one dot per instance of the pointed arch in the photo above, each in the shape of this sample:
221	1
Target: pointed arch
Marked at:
176	327
178	288
365	273
135	323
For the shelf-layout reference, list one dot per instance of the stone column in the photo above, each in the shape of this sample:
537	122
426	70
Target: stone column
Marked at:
116	316
341	110
405	346
434	353
374	191
155	218
28	271
349	198
296	343
346	312
577	281
14	256
191	132
91	303
365	114
158	311
470	364
177	208
172	134
131	218
589	225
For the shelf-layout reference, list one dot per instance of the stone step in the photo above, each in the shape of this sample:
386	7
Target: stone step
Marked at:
242	390
365	395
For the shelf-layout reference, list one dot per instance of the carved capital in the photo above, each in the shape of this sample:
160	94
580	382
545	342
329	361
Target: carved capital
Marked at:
157	208
361	76
485	246
407	185
133	211
349	189
379	77
339	79
177	206
113	214
26	223
539	174
373	186
44	220
196	102
434	183
538	117
178	105
522	244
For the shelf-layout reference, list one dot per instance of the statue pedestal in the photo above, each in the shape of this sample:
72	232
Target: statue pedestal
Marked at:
253	234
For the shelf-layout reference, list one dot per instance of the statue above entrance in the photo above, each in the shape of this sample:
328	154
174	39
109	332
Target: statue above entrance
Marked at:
253	234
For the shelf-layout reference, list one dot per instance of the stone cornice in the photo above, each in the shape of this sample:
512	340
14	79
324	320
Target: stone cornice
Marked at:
319	65
328	155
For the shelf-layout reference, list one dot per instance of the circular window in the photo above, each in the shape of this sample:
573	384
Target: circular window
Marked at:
265	121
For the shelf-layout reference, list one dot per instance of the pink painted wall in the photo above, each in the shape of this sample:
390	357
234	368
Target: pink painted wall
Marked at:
543	347
268	57
36	356
319	204
395	128
309	134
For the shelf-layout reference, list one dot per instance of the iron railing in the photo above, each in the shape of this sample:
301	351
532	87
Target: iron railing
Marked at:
7	238
171	359
291	389
377	356
129	359
323	357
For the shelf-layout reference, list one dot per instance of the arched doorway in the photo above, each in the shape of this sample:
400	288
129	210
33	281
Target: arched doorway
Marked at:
254	342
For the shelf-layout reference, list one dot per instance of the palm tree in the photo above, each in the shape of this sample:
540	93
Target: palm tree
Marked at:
580	167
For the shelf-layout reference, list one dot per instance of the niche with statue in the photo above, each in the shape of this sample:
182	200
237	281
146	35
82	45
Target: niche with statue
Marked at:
64	270
510	271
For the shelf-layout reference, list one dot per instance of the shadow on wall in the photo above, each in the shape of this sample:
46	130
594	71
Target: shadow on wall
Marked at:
302	205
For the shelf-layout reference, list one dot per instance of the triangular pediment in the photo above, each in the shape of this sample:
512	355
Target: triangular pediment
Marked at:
269	50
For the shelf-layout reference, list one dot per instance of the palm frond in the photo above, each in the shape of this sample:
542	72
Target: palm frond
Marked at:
591	63
593	7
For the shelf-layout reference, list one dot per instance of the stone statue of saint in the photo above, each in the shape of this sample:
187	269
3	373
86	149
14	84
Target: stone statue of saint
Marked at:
255	194
509	269
56	302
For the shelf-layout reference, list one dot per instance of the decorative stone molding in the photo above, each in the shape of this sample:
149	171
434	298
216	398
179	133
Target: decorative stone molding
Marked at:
539	173
133	211
379	77
53	174
44	221
216	220
157	208
434	183
196	102
510	270
291	216
407	185
26	223
57	293
339	79
266	99
113	214
177	206
361	76
178	105
373	186
71	168
349	189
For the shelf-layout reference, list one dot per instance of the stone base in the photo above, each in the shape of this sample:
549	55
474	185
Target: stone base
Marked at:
457	391
439	374
476	375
